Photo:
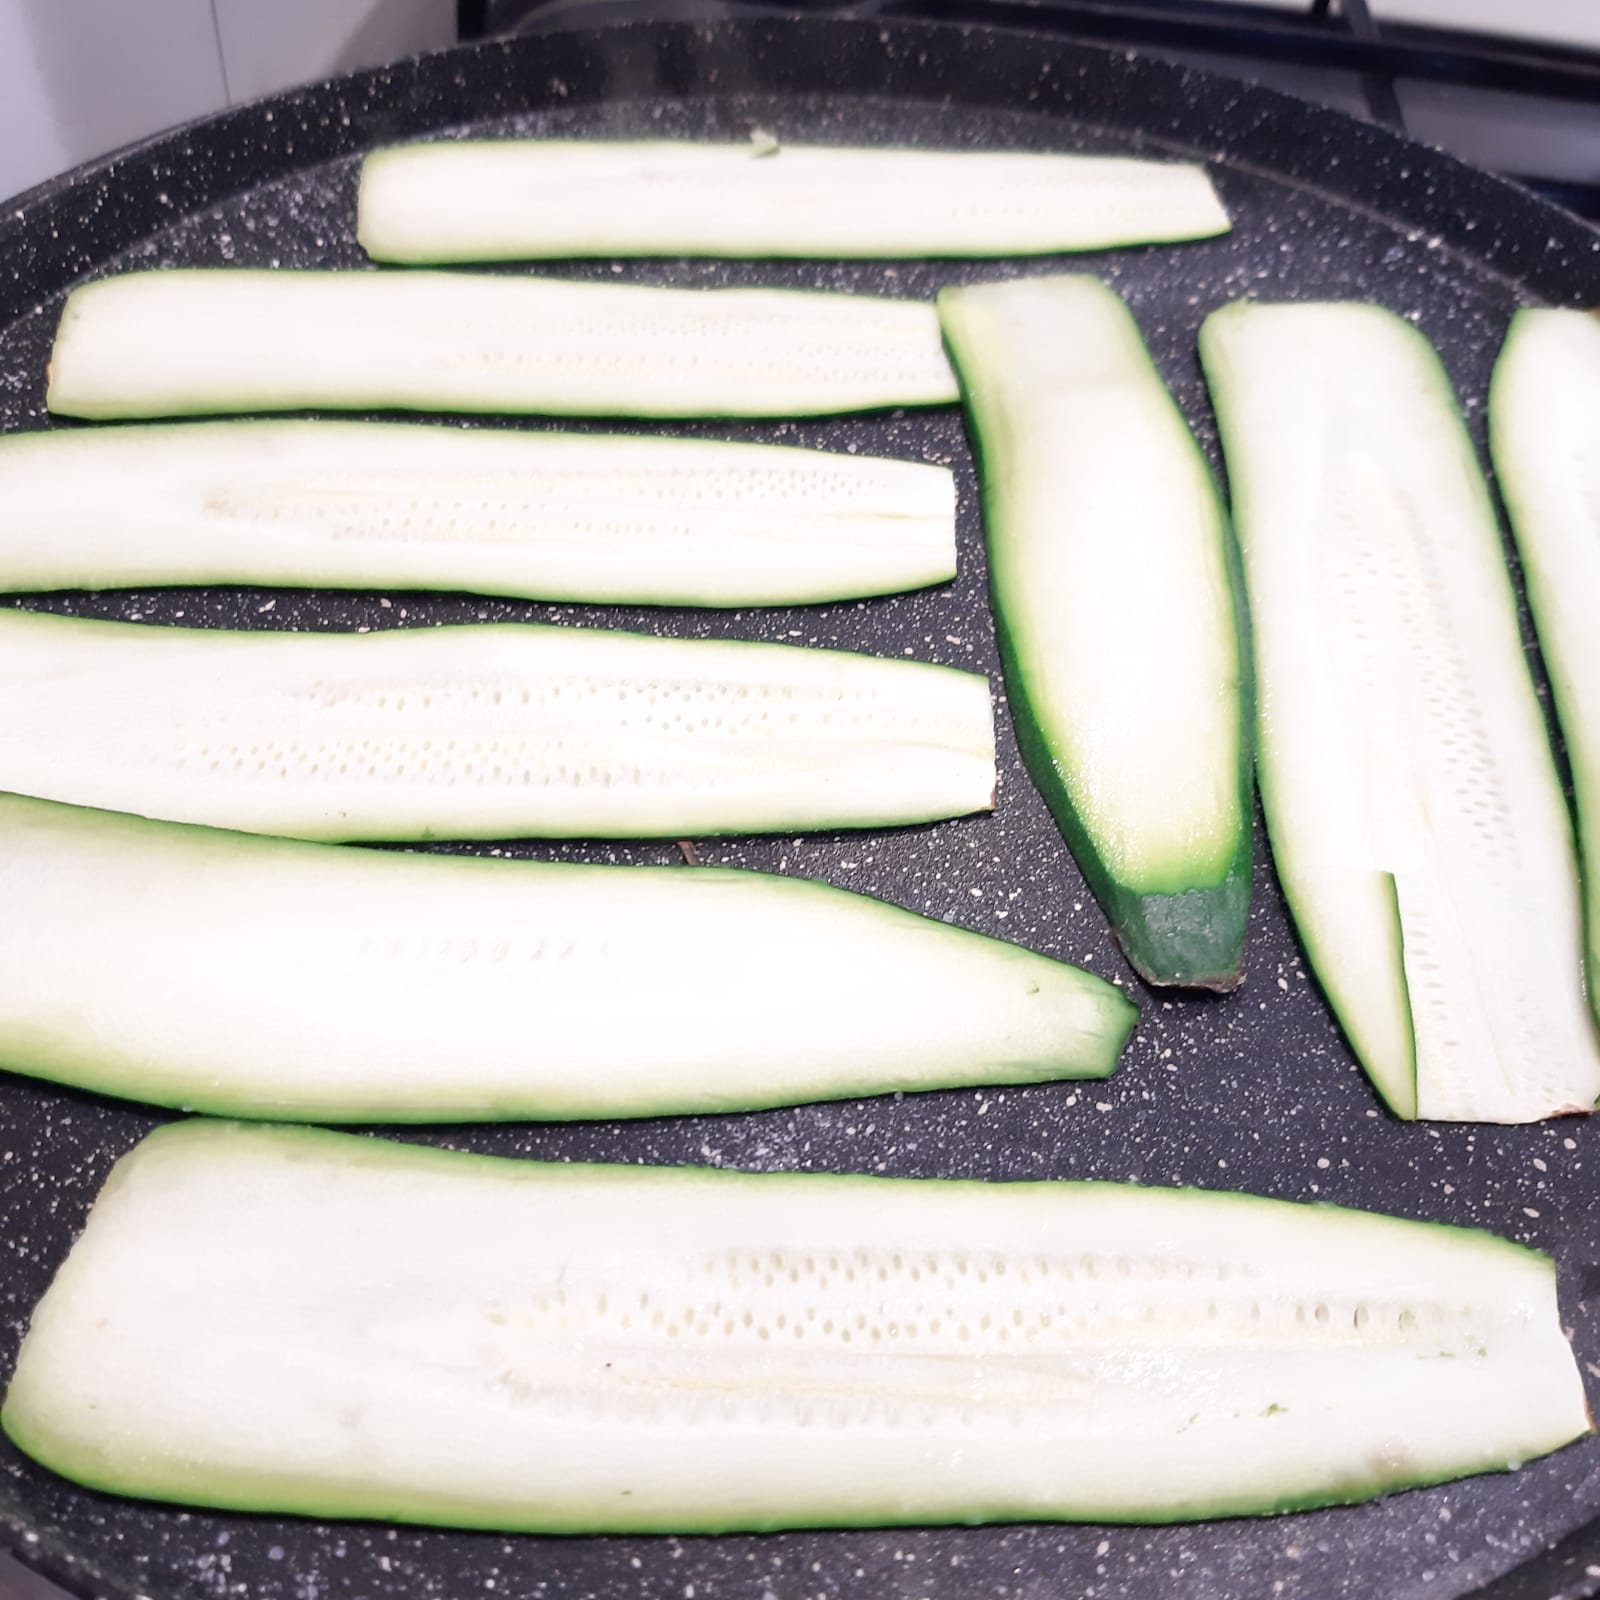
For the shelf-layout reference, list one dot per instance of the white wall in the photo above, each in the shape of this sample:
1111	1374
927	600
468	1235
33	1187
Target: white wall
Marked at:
269	44
80	77
1562	21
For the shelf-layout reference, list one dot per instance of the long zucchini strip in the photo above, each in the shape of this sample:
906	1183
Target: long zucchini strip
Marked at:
1411	794
291	1320
1544	427
582	517
493	731
371	985
1119	613
518	199
175	343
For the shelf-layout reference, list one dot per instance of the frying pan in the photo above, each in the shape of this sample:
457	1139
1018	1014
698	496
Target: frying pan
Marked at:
1256	1091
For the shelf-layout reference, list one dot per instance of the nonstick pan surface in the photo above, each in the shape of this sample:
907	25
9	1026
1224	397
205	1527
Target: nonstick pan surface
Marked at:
1256	1091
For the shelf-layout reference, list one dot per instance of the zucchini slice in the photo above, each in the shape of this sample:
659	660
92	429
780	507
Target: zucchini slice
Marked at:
548	516
1410	790
1120	620
520	199
1544	404
483	732
175	343
292	1320
382	986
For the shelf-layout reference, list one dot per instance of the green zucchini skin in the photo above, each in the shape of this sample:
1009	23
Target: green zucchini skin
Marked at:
562	1405
393	987
1191	936
1191	940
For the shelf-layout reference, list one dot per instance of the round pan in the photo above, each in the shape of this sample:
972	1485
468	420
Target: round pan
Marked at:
1256	1091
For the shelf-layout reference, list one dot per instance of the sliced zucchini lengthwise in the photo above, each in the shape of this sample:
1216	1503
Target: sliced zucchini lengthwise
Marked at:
381	986
405	506
291	1320
517	199
1411	793
483	732
1120	614
175	343
1544	427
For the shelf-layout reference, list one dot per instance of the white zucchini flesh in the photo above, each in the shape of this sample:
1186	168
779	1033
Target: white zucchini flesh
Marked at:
172	343
1410	789
1543	406
1114	603
382	986
394	505
519	199
491	731
292	1320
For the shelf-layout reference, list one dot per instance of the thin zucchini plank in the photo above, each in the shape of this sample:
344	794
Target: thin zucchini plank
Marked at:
521	199
580	517
1544	429
291	1320
177	343
1411	793
381	986
493	731
1120	615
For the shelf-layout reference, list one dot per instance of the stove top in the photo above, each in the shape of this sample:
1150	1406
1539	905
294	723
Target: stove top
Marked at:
1528	110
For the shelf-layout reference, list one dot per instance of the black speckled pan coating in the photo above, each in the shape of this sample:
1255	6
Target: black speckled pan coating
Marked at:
1255	1091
